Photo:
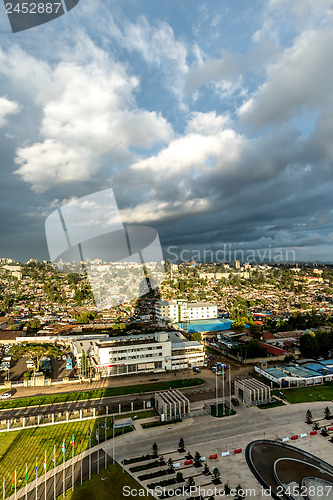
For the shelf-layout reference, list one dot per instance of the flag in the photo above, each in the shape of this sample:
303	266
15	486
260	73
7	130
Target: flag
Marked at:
4	489
54	454
45	460
63	448
26	474
72	442
14	481
89	432
81	440
36	467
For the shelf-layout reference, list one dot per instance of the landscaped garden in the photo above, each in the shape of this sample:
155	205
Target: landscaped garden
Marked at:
307	394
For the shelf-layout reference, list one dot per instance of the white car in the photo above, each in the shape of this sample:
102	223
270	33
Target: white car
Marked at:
5	395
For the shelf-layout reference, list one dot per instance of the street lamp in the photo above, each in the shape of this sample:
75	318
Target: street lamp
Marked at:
201	482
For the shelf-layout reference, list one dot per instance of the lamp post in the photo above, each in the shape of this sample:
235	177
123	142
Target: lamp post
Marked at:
201	482
216	407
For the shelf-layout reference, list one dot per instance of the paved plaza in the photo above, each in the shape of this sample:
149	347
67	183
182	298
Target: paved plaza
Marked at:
212	436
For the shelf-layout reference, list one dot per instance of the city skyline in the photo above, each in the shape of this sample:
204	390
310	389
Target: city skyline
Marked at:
210	122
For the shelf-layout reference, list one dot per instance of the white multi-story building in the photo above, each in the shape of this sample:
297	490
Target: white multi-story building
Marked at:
179	310
142	353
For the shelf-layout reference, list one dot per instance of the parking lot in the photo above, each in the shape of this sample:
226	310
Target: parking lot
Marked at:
14	369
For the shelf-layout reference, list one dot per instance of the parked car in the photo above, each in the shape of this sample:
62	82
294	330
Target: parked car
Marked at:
5	395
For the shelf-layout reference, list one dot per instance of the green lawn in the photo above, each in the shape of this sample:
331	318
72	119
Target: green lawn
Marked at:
147	425
99	393
212	351
273	404
20	447
98	489
220	413
308	394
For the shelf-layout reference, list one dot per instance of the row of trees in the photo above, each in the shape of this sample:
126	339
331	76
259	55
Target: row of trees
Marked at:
315	344
216	474
309	419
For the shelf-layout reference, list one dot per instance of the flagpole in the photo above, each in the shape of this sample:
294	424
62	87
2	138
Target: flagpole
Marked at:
113	440
15	485
106	457
230	390
123	451
97	447
81	458
4	489
36	474
26	481
45	476
89	452
73	445
54	472
63	469
223	391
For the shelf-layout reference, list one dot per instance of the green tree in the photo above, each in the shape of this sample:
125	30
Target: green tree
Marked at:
190	482
34	324
179	477
197	457
34	352
170	463
84	364
196	336
216	474
256	331
308	417
327	413
240	493
155	449
206	470
181	444
227	489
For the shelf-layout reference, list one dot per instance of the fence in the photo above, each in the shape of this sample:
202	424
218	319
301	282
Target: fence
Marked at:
61	417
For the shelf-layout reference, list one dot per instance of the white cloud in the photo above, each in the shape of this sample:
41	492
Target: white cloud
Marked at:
207	123
154	210
192	152
159	47
7	108
88	111
227	71
300	79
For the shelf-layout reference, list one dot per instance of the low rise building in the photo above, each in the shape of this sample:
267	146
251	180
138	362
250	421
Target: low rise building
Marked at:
172	405
141	353
252	392
179	310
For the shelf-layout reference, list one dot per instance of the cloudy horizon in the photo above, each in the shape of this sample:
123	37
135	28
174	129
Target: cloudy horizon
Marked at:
211	122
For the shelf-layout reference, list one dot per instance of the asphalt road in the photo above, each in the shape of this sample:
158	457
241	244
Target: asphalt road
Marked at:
195	394
207	429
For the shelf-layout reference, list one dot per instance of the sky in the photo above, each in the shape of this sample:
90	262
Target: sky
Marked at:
210	121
